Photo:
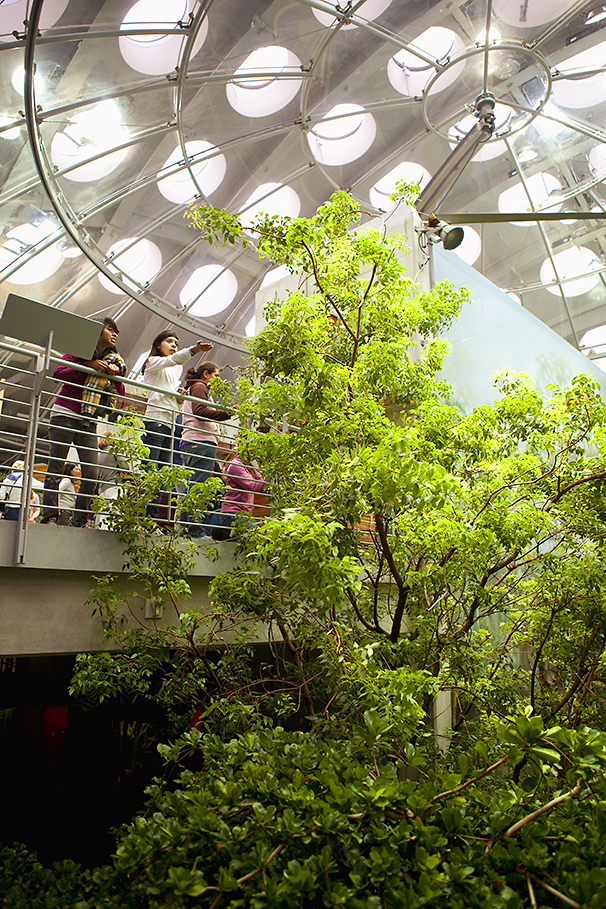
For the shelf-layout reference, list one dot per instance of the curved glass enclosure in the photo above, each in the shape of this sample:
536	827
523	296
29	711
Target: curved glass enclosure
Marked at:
115	118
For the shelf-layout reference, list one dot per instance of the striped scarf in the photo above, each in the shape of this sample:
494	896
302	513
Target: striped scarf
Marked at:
94	394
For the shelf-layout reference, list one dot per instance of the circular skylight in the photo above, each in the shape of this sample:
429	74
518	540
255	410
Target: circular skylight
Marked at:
408	171
94	130
582	91
275	275
251	325
569	265
13	133
18	81
597	161
141	261
255	95
209	290
530	13
158	54
270	199
343	135
409	74
470	247
540	187
14	12
18	241
209	172
594	339
488	150
369	10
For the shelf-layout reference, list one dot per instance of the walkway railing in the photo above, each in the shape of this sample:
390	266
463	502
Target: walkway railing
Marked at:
27	402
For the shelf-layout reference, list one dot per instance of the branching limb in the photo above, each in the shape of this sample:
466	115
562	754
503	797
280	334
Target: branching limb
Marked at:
535	814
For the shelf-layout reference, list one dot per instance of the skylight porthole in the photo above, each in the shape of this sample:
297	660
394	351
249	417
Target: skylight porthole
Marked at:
274	87
158	55
209	173
142	261
409	74
343	135
540	186
275	199
369	11
408	171
582	91
14	12
209	290
470	247
594	340
570	264
530	13
18	241
90	132
488	150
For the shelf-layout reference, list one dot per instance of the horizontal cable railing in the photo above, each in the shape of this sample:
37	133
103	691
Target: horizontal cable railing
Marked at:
91	442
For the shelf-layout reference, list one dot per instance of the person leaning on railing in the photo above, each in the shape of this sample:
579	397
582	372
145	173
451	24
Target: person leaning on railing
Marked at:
73	421
199	436
162	408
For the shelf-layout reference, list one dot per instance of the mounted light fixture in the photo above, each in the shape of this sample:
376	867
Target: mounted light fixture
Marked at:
440	232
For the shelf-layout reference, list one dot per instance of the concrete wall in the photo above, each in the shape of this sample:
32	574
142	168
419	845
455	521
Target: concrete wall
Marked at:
43	606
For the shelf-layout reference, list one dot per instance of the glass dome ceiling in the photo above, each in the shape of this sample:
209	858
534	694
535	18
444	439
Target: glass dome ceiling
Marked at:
139	109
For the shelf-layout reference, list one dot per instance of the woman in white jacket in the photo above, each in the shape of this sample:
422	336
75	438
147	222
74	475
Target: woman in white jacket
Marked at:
162	408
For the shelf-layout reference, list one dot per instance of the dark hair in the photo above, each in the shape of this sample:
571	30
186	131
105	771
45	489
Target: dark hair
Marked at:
68	467
155	348
195	373
101	351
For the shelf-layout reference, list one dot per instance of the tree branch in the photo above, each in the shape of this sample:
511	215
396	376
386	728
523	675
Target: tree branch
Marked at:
535	814
474	779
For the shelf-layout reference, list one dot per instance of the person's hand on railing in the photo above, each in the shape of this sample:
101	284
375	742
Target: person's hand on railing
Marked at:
102	366
183	391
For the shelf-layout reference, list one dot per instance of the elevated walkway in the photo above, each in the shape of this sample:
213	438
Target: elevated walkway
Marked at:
43	607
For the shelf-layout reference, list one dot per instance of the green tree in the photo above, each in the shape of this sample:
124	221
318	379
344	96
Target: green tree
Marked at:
411	550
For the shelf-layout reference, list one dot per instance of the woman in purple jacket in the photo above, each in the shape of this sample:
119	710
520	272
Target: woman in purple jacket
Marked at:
70	425
242	484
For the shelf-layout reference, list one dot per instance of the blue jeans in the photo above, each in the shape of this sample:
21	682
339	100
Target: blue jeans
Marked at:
222	525
159	439
63	431
199	457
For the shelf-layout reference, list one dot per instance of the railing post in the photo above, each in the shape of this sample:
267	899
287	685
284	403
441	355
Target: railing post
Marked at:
42	364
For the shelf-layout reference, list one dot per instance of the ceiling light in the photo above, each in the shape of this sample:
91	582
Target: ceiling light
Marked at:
209	172
530	13
408	171
258	97
539	186
440	232
90	132
409	73
493	35
152	54
21	239
276	200
582	91
569	265
18	81
141	262
209	290
369	10
343	135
